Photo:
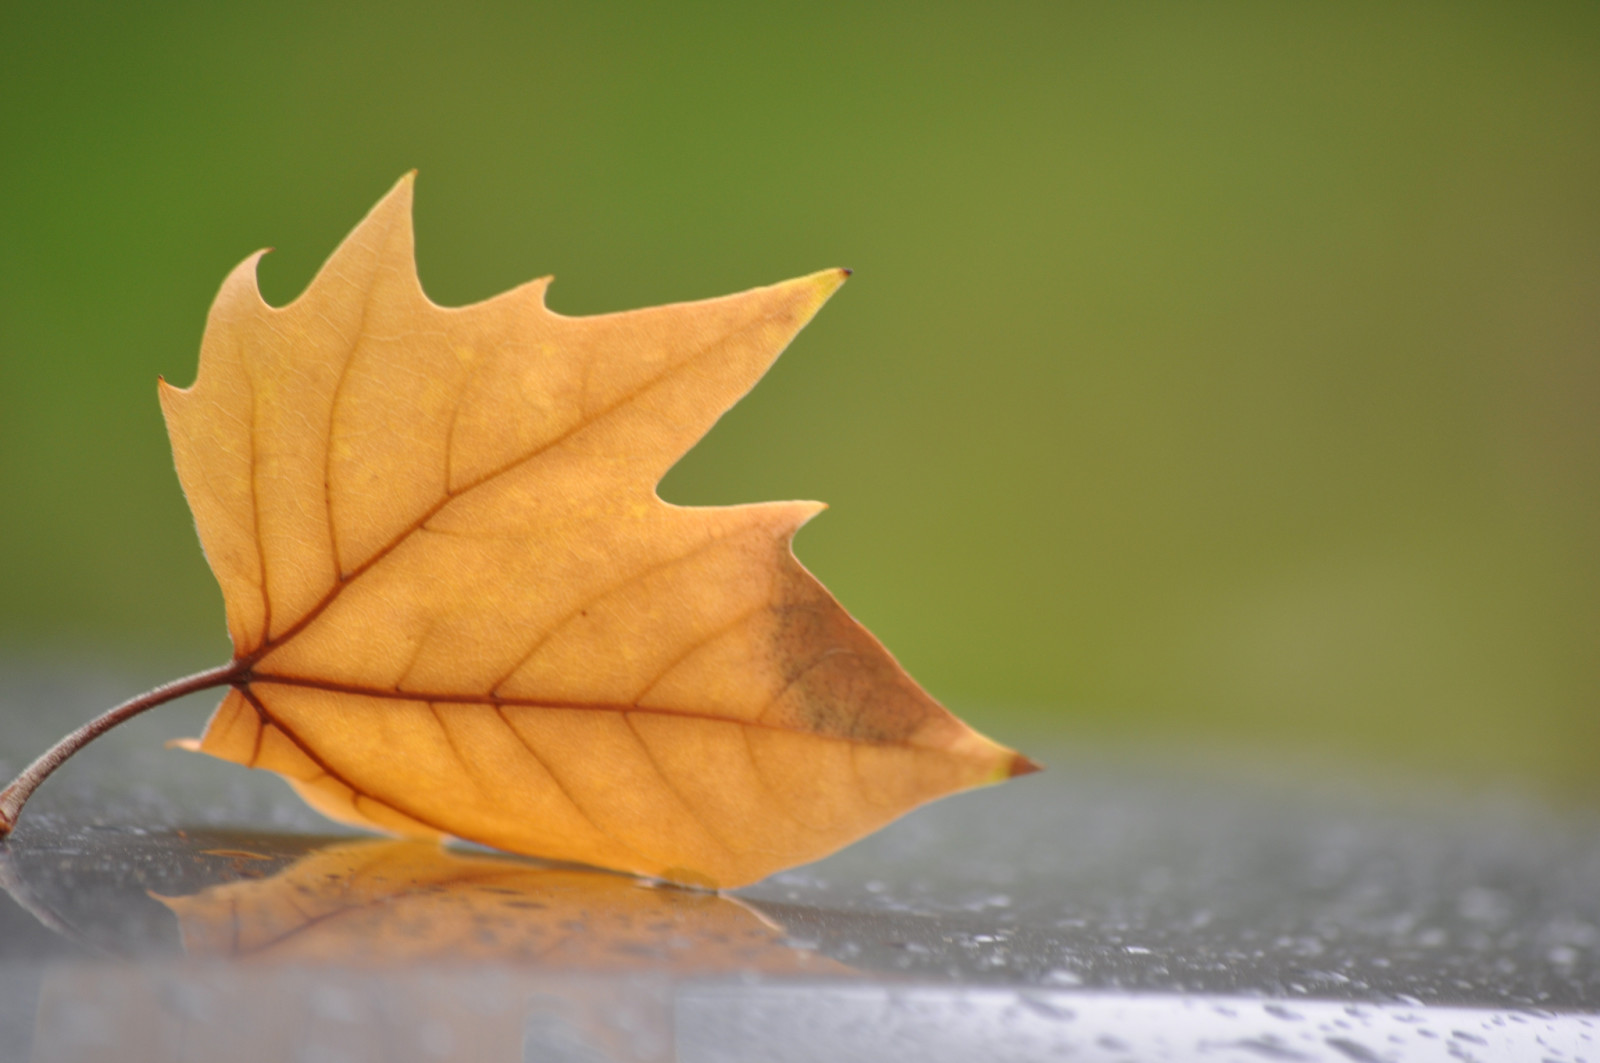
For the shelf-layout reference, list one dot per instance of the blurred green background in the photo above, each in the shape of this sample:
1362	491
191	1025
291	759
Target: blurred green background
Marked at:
1223	372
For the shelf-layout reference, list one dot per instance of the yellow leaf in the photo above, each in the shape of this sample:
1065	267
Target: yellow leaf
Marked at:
458	606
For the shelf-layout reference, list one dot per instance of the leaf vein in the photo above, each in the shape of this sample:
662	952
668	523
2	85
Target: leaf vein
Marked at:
683	799
766	784
466	765
450	496
255	514
696	646
329	770
565	790
497	702
588	603
333	414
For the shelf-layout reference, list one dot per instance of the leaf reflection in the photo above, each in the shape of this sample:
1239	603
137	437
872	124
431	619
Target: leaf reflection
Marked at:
381	902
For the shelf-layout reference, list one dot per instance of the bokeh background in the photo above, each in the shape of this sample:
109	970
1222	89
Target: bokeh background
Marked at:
1221	373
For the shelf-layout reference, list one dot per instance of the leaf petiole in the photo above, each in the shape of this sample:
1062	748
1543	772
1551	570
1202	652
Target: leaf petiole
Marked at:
14	796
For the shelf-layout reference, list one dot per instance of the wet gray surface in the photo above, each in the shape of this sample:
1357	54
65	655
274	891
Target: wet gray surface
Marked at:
161	906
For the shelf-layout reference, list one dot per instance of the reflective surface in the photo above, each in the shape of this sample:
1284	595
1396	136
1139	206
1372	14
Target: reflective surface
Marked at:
163	907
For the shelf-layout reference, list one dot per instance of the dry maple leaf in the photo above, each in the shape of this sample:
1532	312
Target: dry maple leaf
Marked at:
459	608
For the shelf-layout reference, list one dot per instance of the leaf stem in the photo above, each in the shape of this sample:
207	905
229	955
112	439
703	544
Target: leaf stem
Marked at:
13	797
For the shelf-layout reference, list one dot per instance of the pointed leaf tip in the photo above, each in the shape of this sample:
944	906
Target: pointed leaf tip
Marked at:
829	280
824	283
1021	765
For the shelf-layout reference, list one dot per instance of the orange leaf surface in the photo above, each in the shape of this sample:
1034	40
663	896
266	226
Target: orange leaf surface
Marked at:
458	606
